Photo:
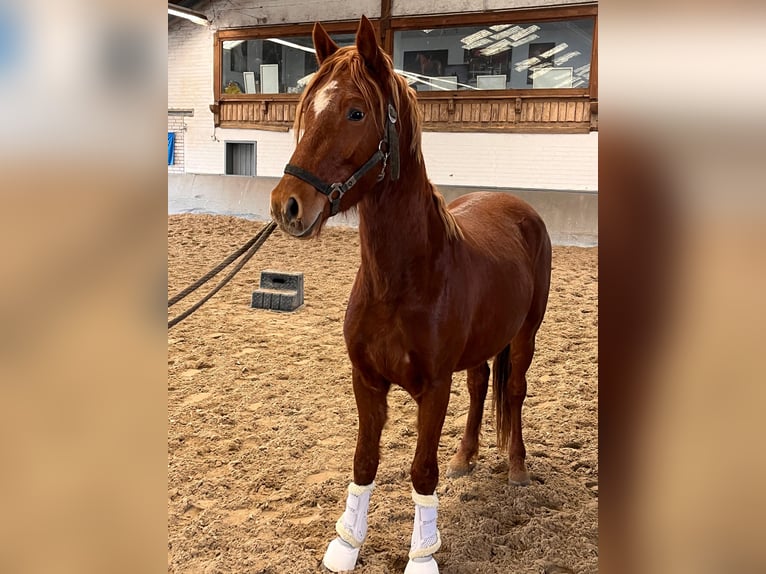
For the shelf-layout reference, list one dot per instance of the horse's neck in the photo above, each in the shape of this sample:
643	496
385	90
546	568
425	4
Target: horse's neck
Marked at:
399	226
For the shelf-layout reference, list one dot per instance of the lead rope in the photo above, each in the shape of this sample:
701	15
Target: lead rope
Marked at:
249	249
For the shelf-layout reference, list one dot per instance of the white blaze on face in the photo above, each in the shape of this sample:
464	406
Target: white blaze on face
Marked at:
324	97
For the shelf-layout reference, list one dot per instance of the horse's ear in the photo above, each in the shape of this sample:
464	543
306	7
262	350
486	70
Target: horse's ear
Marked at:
367	44
323	44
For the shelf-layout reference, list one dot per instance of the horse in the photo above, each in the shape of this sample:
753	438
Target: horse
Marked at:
440	289
429	66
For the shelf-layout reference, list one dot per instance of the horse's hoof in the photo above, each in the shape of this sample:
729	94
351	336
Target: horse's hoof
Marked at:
425	565
519	480
340	556
458	470
518	475
459	466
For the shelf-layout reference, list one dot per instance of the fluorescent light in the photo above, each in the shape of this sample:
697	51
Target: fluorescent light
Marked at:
526	64
471	38
524	40
413	78
191	15
231	44
555	50
305	79
566	57
525	32
505	33
496	48
477	44
292	45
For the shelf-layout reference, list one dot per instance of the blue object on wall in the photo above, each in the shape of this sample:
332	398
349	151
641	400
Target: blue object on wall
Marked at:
171	146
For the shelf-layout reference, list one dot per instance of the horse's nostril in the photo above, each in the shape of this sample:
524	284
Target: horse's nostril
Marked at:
292	209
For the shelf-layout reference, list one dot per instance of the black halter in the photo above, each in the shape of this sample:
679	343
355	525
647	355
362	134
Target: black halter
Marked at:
388	146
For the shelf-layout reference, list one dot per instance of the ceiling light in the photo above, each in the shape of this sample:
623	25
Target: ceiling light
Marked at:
191	15
475	36
292	45
496	48
231	44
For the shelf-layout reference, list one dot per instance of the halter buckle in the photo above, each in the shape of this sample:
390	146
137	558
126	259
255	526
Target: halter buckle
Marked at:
336	191
383	143
382	173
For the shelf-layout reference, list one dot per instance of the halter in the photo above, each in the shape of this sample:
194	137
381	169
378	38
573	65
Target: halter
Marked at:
335	191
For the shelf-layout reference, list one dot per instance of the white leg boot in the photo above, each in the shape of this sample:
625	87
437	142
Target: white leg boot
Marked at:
341	553
425	536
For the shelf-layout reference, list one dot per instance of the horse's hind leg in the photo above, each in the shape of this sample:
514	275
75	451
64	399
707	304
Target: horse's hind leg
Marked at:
522	351
467	453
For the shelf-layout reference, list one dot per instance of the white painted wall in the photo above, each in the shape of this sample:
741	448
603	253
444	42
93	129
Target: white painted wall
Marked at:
235	13
529	161
273	148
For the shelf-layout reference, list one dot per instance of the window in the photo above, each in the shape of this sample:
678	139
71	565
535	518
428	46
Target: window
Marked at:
526	70
505	56
272	65
240	158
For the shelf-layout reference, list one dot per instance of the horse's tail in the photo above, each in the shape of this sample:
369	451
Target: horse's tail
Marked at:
501	373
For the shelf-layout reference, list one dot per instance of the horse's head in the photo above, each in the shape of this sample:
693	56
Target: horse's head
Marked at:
347	130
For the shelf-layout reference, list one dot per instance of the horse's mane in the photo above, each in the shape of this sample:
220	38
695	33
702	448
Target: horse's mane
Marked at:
404	100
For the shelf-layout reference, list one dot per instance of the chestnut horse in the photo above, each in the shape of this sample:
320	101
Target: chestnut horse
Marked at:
439	289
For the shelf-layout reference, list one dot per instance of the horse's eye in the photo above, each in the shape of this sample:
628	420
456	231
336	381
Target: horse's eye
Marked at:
355	115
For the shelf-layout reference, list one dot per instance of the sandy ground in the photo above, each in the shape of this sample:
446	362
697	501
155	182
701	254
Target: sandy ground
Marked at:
262	426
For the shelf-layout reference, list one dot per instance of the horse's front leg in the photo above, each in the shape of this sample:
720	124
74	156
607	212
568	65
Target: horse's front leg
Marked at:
432	408
371	393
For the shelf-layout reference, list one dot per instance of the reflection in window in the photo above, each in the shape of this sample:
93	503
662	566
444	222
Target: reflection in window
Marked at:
497	57
271	65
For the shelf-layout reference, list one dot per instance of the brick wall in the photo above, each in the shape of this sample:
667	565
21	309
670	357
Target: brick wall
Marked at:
190	87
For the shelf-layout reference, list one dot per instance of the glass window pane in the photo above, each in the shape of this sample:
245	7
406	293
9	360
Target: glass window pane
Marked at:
270	65
497	57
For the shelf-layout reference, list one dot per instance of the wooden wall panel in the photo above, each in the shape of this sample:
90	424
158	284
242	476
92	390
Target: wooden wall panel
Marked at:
542	114
554	114
505	113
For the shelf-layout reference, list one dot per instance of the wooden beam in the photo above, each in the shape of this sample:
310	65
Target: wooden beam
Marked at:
386	35
217	61
496	17
255	32
594	64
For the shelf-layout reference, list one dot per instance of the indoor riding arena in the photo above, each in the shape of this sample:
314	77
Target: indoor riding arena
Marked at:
262	425
498	97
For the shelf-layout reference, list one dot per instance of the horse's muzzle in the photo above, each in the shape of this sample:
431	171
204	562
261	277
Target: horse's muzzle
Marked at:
289	220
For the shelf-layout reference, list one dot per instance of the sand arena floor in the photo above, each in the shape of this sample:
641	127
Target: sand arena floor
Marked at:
262	426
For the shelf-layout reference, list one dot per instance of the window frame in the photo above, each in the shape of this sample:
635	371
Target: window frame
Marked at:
226	156
275	112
